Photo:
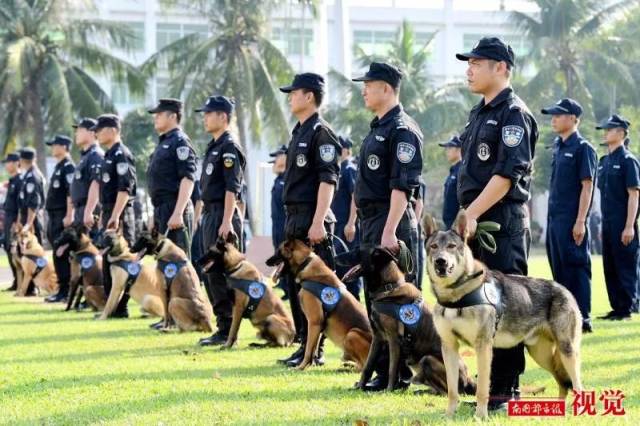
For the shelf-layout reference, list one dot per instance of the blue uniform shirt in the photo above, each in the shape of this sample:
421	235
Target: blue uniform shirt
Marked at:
277	211
574	160
617	171
451	206
341	205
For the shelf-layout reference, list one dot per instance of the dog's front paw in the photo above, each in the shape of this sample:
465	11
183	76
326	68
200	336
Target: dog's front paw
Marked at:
302	366
481	412
451	409
226	347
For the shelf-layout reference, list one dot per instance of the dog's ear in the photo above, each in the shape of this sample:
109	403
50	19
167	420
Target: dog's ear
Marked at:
380	256
220	244
459	226
232	238
429	225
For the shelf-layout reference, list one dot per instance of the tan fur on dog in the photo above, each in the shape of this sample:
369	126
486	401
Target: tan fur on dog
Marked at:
46	280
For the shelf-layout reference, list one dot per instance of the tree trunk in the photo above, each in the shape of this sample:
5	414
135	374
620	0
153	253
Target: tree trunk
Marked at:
243	134
35	113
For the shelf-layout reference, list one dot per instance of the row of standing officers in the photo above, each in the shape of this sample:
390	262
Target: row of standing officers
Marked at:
382	194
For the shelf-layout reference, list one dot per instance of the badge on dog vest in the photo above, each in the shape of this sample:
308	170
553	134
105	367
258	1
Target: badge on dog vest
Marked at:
329	296
122	168
373	162
209	169
133	269
327	153
301	160
410	314
256	290
41	262
105	177
484	152
170	270
56	183
183	152
405	152
86	263
512	135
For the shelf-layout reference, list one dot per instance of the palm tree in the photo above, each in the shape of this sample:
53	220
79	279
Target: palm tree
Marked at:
563	35
236	59
45	61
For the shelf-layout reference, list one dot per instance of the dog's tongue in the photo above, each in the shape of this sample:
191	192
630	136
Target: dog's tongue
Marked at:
60	251
276	273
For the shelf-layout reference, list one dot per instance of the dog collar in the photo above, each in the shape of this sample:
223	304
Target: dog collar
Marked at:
303	265
466	278
386	289
236	269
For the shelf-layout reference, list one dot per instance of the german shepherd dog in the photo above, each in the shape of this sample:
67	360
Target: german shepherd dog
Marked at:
184	303
86	267
403	320
252	297
35	265
126	271
15	256
346	325
486	309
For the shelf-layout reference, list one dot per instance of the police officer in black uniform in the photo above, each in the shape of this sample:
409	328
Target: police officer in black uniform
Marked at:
573	170
450	205
310	179
389	170
117	190
498	145
278	214
85	188
171	174
60	210
12	166
221	184
619	184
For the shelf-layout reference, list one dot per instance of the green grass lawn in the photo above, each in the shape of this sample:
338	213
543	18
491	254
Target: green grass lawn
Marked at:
66	368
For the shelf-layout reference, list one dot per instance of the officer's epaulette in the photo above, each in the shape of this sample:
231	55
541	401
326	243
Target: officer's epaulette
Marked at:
118	152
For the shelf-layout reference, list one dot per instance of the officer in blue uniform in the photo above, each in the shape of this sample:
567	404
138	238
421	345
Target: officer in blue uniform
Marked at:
619	184
12	166
221	184
60	210
570	192
278	215
498	146
450	205
389	174
118	187
171	174
85	188
343	207
309	183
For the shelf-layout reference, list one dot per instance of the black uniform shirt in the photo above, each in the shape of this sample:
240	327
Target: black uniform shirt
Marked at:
59	184
32	191
222	169
118	174
617	172
11	201
88	170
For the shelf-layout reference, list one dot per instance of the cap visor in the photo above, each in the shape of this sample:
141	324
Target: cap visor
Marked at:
363	78
288	89
470	55
445	144
154	110
75	126
49	143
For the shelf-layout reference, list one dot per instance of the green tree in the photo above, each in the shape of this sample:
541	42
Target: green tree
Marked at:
138	133
45	61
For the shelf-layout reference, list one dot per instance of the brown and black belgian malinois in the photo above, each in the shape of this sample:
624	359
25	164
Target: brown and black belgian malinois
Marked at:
253	298
35	265
486	309
403	320
333	311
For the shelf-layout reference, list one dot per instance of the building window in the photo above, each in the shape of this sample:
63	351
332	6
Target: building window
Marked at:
376	43
120	95
137	28
293	41
519	43
169	33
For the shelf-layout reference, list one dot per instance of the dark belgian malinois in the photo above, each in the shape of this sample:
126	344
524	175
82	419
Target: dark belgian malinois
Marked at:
327	304
253	298
486	309
402	319
185	303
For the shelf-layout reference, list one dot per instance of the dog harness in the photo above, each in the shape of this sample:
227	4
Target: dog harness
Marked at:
254	289
133	270
487	294
86	261
328	295
409	314
40	262
170	269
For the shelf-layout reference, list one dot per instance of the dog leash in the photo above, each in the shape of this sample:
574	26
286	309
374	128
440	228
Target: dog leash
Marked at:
484	237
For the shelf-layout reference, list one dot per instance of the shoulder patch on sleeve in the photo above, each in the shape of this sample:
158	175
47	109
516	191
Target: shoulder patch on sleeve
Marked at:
327	152
69	177
122	168
182	152
512	135
30	187
405	152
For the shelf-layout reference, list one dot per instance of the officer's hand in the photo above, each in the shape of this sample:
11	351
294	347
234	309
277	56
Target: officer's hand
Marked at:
350	232
112	224
175	222
472	225
390	241
627	235
88	220
579	231
225	229
67	221
317	233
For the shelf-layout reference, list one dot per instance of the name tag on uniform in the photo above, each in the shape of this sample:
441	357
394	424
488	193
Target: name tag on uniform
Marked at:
616	166
165	146
568	154
494	122
302	144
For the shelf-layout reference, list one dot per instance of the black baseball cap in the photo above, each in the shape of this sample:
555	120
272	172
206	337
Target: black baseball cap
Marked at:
381	71
345	142
85	123
27	153
106	120
167	104
564	106
60	140
12	156
280	151
614	122
454	142
307	80
490	48
217	103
